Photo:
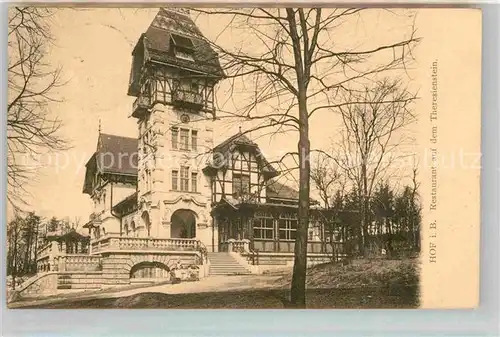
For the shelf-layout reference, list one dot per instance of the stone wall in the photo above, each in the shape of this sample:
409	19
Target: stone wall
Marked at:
79	281
273	261
42	284
116	266
80	273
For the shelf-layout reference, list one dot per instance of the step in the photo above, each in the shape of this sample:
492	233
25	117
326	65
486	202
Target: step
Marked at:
225	264
228	268
229	271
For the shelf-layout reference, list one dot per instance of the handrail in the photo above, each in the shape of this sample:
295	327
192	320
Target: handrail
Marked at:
253	254
203	251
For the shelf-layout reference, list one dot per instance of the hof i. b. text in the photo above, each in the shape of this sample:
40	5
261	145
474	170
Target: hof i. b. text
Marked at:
433	116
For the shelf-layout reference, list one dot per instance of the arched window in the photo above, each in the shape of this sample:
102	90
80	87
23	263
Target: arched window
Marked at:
146	223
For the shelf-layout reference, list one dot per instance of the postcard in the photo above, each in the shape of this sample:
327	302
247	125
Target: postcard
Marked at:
243	157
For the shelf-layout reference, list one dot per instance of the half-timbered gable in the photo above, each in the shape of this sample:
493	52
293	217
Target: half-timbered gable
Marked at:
238	171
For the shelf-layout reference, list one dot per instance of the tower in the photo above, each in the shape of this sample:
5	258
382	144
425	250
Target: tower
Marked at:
174	72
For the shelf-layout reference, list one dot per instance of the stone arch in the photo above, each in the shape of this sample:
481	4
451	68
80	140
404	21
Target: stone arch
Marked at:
183	224
149	270
149	258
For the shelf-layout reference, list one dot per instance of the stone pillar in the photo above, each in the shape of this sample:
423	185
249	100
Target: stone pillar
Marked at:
230	245
246	245
54	248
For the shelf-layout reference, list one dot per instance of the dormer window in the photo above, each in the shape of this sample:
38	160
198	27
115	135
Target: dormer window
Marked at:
183	47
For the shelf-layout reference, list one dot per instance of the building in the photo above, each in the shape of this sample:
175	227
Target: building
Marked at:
169	197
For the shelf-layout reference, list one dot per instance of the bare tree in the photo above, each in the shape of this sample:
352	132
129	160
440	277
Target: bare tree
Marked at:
326	177
14	248
373	130
31	129
292	66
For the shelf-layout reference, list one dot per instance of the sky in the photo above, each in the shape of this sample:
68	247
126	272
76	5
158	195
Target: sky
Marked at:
94	49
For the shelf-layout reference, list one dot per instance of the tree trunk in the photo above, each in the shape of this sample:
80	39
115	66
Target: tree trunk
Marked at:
389	238
27	255
298	287
35	249
364	212
15	260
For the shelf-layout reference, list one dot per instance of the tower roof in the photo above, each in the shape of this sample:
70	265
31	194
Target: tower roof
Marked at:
173	28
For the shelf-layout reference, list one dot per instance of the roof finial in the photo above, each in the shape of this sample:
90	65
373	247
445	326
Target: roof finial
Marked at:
99	126
240	128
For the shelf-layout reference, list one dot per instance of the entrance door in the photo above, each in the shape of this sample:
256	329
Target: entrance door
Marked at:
183	224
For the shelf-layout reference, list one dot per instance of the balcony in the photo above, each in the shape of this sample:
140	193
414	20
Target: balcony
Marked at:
141	106
187	98
124	243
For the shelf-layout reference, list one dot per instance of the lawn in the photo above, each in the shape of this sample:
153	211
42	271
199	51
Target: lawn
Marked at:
355	298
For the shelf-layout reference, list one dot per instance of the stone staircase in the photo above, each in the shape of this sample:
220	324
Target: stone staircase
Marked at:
222	263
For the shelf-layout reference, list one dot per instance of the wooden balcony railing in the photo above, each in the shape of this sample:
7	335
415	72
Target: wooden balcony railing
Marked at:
140	106
187	97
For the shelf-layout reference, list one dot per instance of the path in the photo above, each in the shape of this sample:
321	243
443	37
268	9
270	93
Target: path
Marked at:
211	283
208	284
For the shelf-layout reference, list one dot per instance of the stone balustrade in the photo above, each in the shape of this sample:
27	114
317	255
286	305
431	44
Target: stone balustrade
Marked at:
78	262
236	246
117	243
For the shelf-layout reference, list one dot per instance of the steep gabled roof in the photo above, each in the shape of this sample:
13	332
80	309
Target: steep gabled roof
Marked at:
114	155
277	190
158	42
117	154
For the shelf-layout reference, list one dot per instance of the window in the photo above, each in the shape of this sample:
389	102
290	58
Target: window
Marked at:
263	228
175	179
194	182
194	140
241	184
183	47
287	226
184	178
331	234
184	139
175	136
150	180
195	87
147	139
